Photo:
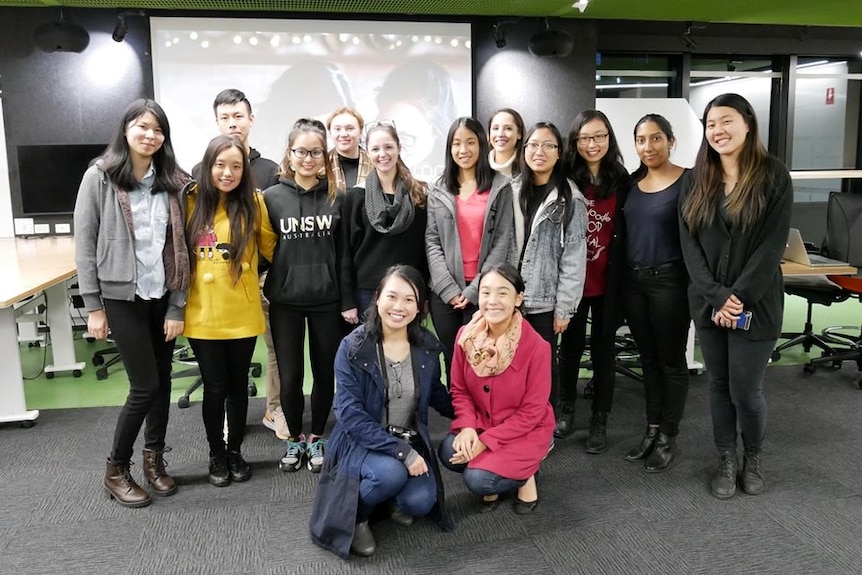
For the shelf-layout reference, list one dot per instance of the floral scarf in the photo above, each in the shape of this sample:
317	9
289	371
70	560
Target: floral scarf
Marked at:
486	355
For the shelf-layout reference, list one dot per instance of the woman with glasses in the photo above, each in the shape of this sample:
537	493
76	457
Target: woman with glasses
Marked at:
506	137
550	246
350	164
734	220
303	286
594	162
384	221
469	226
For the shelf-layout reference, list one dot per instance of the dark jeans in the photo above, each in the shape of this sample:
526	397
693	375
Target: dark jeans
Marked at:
137	328
543	323
656	304
478	481
383	478
602	355
736	368
325	331
447	322
224	369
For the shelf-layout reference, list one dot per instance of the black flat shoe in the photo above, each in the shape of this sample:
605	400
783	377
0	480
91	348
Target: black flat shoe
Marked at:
645	447
489	506
662	454
525	507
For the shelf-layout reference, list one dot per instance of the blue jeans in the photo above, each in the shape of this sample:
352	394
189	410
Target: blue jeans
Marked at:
384	478
478	481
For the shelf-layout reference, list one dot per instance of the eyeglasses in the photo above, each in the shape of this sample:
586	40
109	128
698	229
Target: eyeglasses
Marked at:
547	147
302	153
380	124
598	138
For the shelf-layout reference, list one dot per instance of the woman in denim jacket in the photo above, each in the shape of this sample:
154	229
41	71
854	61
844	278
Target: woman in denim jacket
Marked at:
550	247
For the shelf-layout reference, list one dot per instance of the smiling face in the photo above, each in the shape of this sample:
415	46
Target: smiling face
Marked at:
227	170
397	304
234	120
652	145
307	168
498	299
593	142
144	136
726	130
383	150
345	132
465	148
504	134
542	151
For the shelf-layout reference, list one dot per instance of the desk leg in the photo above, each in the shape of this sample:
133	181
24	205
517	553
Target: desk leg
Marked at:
12	406
60	322
689	351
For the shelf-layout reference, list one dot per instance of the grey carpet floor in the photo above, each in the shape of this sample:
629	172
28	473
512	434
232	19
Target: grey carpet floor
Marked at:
598	513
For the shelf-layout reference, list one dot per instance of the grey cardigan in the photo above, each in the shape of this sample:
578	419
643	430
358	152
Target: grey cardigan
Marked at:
555	257
443	246
105	249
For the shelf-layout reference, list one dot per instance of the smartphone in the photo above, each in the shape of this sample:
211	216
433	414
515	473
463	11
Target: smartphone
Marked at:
744	321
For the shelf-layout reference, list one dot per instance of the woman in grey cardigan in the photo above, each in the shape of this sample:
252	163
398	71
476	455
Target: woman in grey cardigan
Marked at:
550	249
469	226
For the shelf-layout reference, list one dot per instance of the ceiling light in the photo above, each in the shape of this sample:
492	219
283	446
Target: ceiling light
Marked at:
120	29
499	35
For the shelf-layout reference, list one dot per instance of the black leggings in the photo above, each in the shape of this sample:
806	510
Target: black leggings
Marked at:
325	331
224	367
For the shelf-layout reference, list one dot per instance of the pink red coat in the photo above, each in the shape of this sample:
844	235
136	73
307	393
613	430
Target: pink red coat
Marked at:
511	410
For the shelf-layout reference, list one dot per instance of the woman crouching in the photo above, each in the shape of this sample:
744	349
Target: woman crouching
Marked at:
388	374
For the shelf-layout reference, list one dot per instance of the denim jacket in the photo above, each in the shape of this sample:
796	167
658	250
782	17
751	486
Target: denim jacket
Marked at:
555	257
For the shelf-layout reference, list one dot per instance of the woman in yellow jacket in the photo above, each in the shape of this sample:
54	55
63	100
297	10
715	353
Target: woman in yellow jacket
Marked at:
226	227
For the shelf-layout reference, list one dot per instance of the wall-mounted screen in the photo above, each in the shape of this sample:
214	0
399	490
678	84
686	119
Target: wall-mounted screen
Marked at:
417	74
51	174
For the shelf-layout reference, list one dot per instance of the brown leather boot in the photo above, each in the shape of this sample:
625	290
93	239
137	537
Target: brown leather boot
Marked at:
154	470
121	486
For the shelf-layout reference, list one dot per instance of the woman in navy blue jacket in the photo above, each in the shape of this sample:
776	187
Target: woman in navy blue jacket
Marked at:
388	374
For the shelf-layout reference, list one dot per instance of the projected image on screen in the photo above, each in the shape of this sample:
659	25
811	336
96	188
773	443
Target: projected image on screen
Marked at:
415	74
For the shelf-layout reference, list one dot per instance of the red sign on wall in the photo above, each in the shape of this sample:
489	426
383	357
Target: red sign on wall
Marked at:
830	96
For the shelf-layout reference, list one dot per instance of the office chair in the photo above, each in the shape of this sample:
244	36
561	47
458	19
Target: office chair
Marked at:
627	358
183	355
844	242
103	359
815	290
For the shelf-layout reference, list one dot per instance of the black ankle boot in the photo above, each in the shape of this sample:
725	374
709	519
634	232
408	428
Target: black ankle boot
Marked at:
566	421
752	472
597	442
723	483
219	474
363	543
646	445
661	456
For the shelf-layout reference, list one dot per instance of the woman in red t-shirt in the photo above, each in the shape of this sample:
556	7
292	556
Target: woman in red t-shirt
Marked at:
595	164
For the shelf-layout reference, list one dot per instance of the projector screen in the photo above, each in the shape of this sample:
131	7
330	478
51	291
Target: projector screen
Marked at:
415	74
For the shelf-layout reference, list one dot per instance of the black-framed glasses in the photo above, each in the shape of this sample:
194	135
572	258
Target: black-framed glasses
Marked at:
598	138
546	147
302	153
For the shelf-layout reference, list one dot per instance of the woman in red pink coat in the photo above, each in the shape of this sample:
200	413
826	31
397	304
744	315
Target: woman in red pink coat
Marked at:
501	381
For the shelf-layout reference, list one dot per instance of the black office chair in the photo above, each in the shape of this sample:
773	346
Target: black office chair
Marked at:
815	290
103	359
627	360
183	355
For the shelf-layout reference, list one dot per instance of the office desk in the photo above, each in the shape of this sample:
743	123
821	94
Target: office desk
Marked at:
28	266
796	269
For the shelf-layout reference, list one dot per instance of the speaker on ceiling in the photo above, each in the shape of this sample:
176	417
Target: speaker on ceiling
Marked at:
549	42
61	37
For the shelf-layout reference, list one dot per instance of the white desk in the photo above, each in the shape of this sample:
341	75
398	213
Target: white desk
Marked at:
28	266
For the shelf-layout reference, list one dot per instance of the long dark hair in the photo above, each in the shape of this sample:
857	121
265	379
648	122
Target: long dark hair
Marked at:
117	162
417	189
306	125
664	126
242	209
373	325
519	144
558	174
484	172
748	199
612	175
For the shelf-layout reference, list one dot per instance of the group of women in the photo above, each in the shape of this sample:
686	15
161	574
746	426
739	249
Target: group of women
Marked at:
526	238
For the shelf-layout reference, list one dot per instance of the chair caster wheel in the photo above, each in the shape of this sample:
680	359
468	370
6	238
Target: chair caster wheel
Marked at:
183	402
252	389
776	356
28	424
97	360
809	369
102	374
256	371
589	390
76	373
49	375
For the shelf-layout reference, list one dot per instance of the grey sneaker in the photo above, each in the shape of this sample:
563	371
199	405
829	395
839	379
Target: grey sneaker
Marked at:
292	460
315	453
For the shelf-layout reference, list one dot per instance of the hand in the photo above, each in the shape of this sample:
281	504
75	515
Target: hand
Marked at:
350	315
725	319
560	325
467	446
97	324
732	306
460	302
173	328
418	467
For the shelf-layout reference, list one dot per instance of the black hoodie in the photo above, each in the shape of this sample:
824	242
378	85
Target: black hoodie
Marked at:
305	265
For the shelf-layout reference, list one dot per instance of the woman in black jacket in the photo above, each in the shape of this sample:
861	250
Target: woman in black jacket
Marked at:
734	220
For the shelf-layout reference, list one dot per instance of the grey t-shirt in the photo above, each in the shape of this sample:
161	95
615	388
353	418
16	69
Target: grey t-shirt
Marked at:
403	393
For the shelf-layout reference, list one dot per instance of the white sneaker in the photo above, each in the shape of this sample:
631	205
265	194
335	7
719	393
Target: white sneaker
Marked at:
280	424
268	421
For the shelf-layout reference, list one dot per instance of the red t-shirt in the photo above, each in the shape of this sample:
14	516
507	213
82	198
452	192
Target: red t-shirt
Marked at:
600	230
470	218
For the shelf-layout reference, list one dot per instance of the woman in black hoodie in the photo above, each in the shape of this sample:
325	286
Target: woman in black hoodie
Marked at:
303	286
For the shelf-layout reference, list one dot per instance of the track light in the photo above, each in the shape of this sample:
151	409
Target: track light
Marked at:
499	35
120	28
61	36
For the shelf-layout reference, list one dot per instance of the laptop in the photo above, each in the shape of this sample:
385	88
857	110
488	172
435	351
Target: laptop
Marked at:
795	252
